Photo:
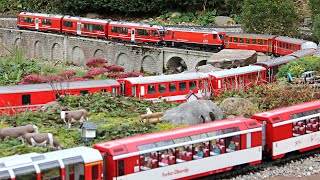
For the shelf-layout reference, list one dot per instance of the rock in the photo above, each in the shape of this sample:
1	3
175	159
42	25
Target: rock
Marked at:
193	112
175	14
224	21
92	15
262	57
204	69
307	21
231	58
238	107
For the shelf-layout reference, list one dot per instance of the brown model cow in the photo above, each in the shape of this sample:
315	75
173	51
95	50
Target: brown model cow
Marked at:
74	116
17	132
42	140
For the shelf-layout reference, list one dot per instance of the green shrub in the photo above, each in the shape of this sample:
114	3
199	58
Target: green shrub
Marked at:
298	66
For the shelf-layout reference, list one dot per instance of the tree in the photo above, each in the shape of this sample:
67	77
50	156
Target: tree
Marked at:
270	17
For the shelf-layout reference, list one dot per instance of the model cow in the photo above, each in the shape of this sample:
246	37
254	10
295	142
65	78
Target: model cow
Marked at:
74	116
42	140
17	132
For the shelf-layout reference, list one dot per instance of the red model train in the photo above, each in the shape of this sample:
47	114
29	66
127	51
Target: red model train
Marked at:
155	88
183	153
144	33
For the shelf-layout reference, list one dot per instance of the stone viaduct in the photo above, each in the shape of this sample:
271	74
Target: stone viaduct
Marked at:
77	50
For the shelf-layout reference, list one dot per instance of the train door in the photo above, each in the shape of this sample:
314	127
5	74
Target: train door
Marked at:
37	23
122	88
132	34
79	28
270	45
120	170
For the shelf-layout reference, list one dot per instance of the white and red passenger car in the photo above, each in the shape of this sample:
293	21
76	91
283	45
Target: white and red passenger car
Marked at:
225	144
69	164
20	97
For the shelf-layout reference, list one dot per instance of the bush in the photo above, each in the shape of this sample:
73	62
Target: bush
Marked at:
270	17
298	66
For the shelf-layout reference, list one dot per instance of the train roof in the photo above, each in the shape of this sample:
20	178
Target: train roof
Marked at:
246	35
273	114
105	21
237	71
41	14
57	85
136	144
192	30
290	40
303	52
136	24
27	162
165	78
277	61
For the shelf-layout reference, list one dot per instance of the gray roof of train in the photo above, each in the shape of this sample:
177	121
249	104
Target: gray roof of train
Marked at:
237	71
246	35
64	86
290	40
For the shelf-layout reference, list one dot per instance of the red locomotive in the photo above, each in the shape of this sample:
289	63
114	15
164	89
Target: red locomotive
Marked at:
183	153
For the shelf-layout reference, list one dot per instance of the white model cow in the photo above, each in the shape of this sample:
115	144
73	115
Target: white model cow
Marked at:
42	140
17	132
74	116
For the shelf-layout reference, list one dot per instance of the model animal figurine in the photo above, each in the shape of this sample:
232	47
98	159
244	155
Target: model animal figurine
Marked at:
17	132
74	116
42	140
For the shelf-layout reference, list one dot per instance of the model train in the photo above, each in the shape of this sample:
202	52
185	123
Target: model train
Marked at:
155	88
183	153
154	34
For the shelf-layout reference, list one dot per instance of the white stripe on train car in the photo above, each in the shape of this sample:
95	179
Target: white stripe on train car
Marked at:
295	143
194	167
122	156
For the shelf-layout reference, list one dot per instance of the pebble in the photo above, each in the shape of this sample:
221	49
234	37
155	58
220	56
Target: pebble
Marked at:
295	168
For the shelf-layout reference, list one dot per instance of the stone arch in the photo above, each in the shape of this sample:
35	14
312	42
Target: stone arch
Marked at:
149	64
176	65
56	52
17	43
98	54
38	49
78	56
201	63
124	60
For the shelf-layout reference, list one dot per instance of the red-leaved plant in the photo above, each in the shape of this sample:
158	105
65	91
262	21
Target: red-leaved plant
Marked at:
96	62
88	76
33	79
115	68
67	75
76	79
134	74
97	71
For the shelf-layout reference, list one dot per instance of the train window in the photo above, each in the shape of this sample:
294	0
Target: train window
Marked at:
50	170
291	46
181	140
192	85
307	113
143	32
172	87
230	130
46	21
26	99
154	33
25	173
221	36
200	84
67	24
215	36
241	40
162	88
5	175
259	41
27	19
295	48
235	39
151	89
214	133
95	172
254	41
280	44
182	86
230	39
287	46
299	128
146	146
120	167
265	42
247	40
167	157
199	136
121	30
83	92
168	33
164	143
232	143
